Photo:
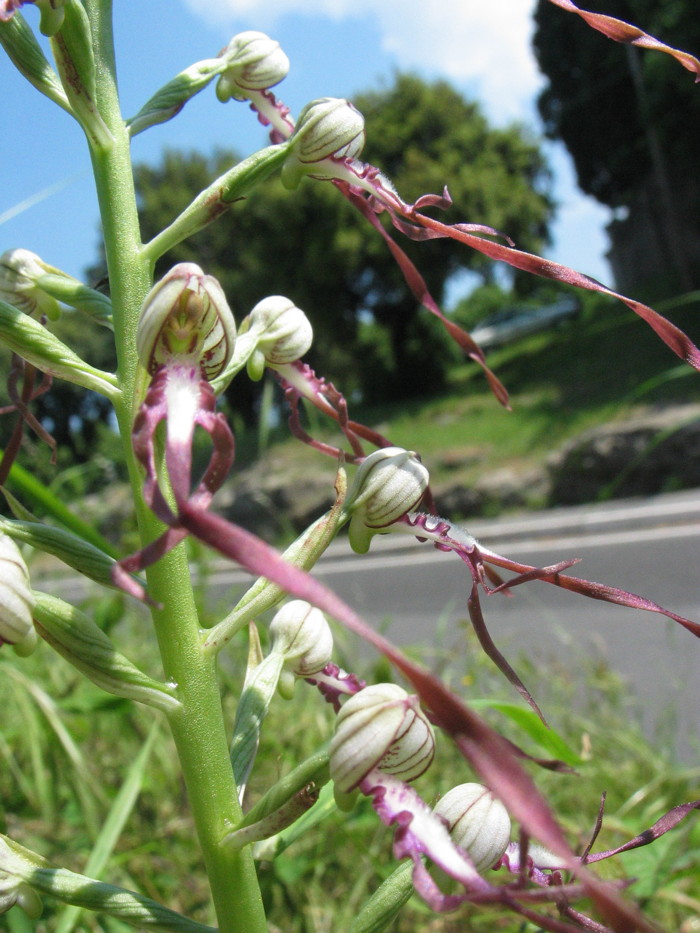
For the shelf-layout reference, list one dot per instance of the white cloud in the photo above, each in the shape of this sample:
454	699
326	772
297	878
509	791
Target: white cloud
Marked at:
483	47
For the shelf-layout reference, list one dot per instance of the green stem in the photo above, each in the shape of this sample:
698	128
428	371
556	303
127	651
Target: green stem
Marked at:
198	726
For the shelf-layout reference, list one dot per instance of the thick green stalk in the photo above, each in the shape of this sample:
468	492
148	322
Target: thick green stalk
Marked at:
198	727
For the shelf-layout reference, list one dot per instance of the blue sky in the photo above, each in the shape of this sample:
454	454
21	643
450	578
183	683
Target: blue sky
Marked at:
336	48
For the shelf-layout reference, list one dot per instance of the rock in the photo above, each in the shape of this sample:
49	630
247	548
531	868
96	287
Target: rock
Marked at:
458	500
651	453
510	488
507	488
459	458
272	504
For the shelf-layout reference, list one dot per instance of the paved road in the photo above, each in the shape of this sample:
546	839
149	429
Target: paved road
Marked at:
650	547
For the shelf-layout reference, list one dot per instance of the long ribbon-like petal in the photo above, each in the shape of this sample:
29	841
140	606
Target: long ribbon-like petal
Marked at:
620	31
422	227
488	752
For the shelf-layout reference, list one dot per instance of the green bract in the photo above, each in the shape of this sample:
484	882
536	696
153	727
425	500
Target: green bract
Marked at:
25	52
25	866
217	198
172	97
38	346
85	645
68	547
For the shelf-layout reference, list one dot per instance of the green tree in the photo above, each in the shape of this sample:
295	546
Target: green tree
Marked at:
628	118
313	247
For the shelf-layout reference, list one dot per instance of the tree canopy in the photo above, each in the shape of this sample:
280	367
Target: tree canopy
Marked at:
310	245
628	117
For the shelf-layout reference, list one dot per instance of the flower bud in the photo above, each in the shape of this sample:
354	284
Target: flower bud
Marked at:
478	823
283	333
20	273
380	727
329	129
255	63
387	485
16	599
300	632
186	318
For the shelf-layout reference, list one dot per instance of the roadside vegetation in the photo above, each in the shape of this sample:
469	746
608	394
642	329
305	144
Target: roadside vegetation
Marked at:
561	381
79	746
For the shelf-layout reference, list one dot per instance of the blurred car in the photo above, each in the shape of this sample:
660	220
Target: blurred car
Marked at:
514	323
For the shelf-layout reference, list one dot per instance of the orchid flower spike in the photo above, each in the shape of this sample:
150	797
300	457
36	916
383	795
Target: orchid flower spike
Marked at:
16	600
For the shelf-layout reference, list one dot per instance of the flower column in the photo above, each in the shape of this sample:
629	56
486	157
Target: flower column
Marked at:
198	727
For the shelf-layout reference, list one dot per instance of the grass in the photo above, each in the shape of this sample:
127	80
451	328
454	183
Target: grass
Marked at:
55	801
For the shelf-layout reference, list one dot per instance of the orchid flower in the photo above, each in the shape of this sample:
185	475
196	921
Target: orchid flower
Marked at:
256	63
382	742
185	338
373	194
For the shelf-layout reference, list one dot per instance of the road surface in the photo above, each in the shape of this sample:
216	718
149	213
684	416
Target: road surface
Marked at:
649	547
